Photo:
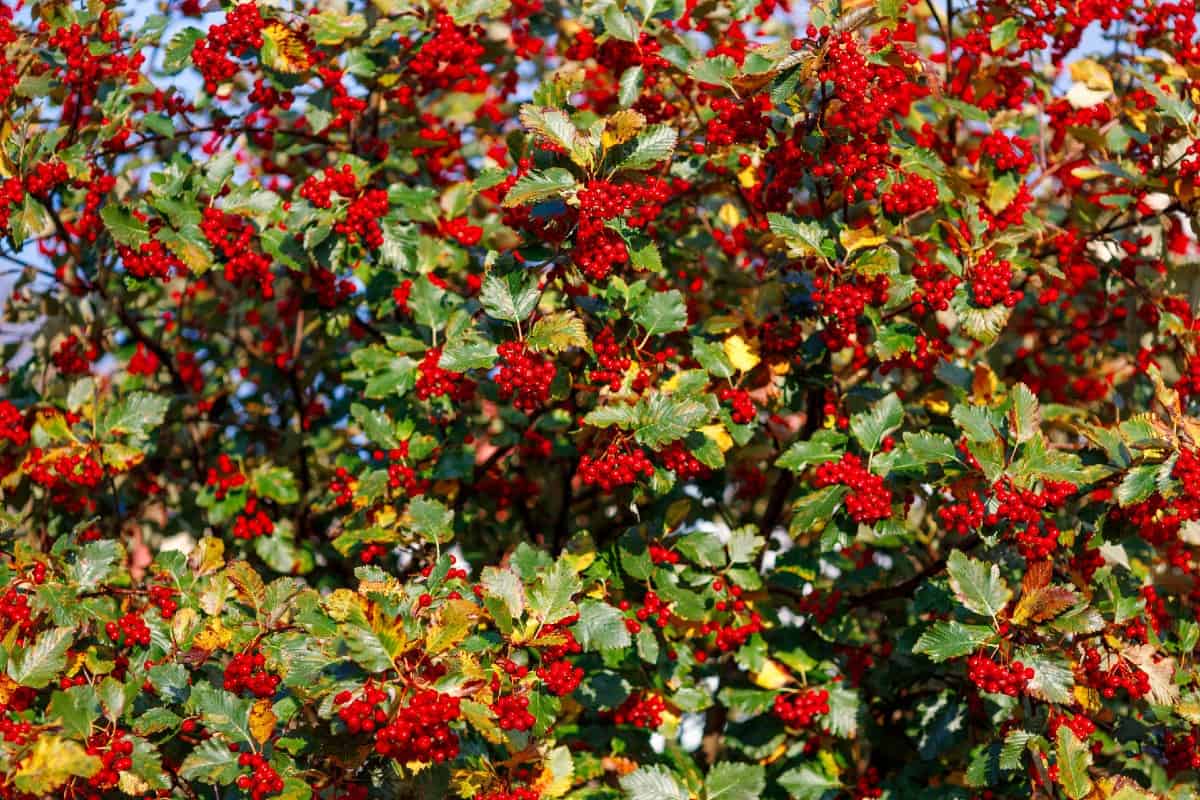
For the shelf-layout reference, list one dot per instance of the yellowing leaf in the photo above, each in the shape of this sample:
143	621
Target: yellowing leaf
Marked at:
621	127
1091	74
215	636
743	355
748	177
133	785
558	774
730	215
262	720
208	556
718	434
52	763
289	53
451	626
771	676
341	603
857	238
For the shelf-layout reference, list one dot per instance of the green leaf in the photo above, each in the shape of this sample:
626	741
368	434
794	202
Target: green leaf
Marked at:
702	548
76	709
930	448
551	598
1015	745
601	627
729	780
653	783
823	447
1138	484
125	228
977	585
870	427
809	782
136	415
1025	415
1053	678
557	128
815	507
663	312
40	662
178	54
620	25
376	425
277	483
630	86
1073	758
535	186
667	418
653	145
430	519
94	563
511	297
718	71
211	762
945	640
941	723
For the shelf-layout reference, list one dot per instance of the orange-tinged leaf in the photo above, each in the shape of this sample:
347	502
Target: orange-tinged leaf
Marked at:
51	763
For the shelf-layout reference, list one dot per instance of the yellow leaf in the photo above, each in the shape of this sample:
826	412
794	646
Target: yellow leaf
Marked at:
718	434
730	215
858	238
262	720
621	127
1087	173
52	763
743	355
133	785
771	676
215	636
1092	74
748	177
208	556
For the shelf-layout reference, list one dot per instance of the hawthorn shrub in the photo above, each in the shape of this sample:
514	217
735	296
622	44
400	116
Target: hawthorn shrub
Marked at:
517	400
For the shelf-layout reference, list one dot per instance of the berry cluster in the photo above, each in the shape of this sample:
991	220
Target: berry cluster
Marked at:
433	381
742	409
512	712
12	424
252	522
114	751
247	672
991	283
909	195
1120	674
231	238
993	677
420	731
620	464
799	709
524	376
560	677
225	477
129	630
641	710
241	31
364	712
262	780
869	499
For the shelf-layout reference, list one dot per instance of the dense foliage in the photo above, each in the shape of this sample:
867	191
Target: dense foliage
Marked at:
514	399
